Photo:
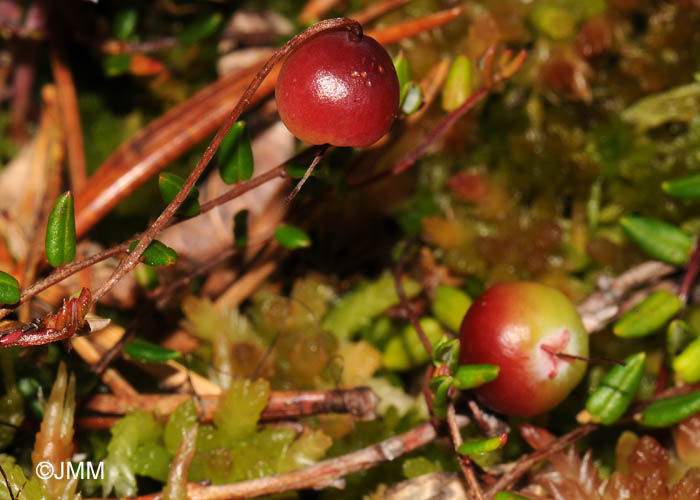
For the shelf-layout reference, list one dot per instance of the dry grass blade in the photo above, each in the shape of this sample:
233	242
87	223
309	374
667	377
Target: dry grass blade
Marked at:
399	31
316	9
377	9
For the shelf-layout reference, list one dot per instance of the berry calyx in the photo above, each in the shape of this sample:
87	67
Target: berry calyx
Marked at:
534	334
338	88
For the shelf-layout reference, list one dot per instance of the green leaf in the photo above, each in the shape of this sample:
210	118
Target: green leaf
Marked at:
470	376
616	391
124	23
446	352
403	72
413	98
60	231
648	316
116	64
240	229
683	188
142	350
170	185
458	84
670	411
236	155
450	305
9	289
157	254
292	237
480	446
507	495
200	29
440	387
687	364
679	335
406	351
659	239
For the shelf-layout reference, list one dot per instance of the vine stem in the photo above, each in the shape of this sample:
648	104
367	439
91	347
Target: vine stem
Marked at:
160	223
690	275
464	461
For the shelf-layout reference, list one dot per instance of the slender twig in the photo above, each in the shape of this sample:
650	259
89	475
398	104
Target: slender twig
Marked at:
526	463
691	274
7	483
130	262
464	462
307	174
375	10
398	272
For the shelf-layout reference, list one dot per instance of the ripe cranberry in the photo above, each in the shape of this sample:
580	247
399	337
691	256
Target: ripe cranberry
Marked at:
521	327
338	89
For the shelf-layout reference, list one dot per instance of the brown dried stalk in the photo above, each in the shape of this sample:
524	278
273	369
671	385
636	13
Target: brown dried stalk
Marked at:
464	462
375	10
282	405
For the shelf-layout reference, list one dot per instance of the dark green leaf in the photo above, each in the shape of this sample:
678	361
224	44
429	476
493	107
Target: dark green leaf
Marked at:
236	155
142	350
648	316
477	447
670	411
170	185
124	23
157	254
470	376
60	231
240	229
616	391
9	289
659	239
200	29
685	188
440	387
116	64
292	237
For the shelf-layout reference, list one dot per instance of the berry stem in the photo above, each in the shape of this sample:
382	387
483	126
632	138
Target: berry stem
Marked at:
133	258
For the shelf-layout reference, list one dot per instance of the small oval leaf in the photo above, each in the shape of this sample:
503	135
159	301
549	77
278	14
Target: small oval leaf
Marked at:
470	376
480	446
507	495
142	350
124	23
413	98
616	391
292	237
684	188
171	184
687	364
116	64
670	411
60	231
201	28
679	335
450	304
403	72
648	316
9	289
236	155
157	254
458	84
659	239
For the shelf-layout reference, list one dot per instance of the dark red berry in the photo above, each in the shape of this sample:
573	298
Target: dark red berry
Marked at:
522	327
338	88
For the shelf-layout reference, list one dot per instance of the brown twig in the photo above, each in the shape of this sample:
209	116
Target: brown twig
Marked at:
7	483
398	272
315	9
130	262
319	475
526	463
464	462
407	29
282	405
691	274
